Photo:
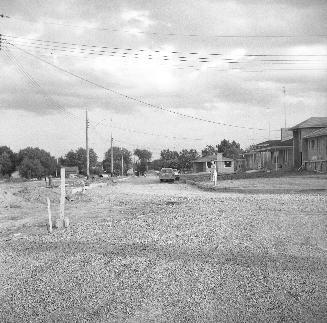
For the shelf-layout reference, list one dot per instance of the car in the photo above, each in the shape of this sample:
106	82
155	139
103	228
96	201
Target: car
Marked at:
167	175
176	174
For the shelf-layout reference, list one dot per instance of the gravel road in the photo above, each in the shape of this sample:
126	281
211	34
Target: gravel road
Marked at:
144	251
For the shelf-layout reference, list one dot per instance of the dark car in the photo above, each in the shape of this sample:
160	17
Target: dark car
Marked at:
167	175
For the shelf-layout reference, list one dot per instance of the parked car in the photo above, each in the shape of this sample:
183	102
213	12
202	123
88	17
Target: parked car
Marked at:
167	175
176	172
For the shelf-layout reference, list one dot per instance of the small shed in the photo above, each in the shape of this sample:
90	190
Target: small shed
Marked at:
224	165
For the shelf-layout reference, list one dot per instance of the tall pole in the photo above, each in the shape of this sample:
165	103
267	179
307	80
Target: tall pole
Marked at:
87	148
112	156
284	91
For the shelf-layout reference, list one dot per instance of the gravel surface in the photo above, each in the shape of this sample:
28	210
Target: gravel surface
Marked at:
144	251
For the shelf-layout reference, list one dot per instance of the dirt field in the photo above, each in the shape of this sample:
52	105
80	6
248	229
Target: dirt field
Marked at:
144	251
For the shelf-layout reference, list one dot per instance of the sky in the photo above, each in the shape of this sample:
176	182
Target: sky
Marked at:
158	74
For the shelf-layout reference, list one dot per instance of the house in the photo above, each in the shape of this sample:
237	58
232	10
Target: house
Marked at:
314	150
271	154
224	165
300	135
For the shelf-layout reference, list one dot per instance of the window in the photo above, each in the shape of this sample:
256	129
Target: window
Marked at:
228	164
312	144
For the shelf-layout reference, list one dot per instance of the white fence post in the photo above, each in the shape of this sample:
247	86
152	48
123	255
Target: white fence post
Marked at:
62	195
49	215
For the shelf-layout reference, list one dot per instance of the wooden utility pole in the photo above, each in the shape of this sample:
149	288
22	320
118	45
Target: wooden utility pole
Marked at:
284	105
112	156
87	147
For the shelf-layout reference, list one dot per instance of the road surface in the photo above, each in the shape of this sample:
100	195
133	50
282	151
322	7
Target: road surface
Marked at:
144	251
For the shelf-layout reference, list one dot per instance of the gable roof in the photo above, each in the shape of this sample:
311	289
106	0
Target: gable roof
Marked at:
317	133
313	122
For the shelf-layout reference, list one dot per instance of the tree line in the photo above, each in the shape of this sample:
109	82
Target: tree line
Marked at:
37	163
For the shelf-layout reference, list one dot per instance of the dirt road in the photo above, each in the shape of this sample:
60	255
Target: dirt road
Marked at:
144	251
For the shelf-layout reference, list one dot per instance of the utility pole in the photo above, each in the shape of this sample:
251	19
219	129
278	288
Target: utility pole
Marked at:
87	147
284	91
112	156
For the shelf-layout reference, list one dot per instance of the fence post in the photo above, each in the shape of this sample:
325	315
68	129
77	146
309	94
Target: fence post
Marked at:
62	195
49	215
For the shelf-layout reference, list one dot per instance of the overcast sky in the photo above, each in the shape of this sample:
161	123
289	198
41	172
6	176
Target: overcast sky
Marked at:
45	107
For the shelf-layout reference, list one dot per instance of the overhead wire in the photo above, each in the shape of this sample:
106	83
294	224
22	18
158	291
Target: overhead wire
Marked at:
101	50
48	99
173	34
145	103
53	103
60	48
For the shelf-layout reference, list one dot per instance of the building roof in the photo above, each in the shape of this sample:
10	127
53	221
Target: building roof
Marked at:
313	122
317	133
275	143
272	144
210	158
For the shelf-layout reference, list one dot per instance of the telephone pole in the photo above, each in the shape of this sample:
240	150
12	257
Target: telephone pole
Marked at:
112	156
284	91
87	147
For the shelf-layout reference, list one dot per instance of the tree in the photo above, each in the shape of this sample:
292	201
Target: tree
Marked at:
169	158
186	158
31	154
209	150
230	149
156	164
78	158
144	157
143	154
6	164
227	148
7	161
31	168
118	153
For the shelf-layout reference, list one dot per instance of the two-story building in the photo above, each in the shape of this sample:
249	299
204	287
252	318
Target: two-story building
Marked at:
302	132
315	150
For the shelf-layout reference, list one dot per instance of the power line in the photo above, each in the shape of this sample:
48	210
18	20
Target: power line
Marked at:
48	99
53	103
243	65
150	105
173	34
93	48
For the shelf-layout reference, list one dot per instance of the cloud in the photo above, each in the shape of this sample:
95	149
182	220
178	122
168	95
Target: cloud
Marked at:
210	90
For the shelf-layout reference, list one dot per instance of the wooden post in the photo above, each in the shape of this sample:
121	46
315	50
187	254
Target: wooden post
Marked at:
49	215
62	195
87	148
